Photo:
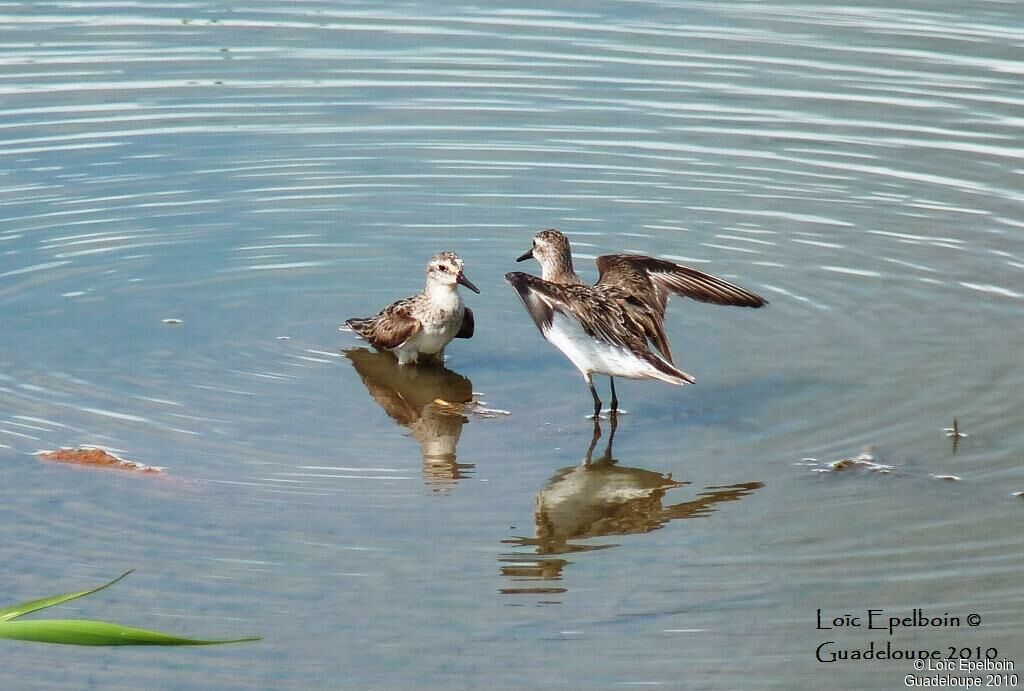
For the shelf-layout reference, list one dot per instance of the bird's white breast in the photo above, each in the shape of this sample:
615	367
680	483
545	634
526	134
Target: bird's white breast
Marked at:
440	322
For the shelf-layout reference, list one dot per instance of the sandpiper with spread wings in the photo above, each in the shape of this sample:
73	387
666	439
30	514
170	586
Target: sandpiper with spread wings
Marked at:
418	328
608	328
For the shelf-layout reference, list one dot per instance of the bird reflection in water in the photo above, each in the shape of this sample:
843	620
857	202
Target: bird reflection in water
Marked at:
428	400
599	498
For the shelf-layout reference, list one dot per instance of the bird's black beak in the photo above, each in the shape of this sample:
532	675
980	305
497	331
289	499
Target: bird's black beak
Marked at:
461	278
528	254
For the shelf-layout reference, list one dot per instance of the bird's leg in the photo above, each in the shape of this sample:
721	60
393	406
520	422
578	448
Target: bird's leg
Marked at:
597	399
614	420
606	457
593	440
615	400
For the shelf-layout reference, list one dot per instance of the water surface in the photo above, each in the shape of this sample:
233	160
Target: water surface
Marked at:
195	197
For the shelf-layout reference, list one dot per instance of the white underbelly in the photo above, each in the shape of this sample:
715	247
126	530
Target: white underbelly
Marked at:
591	355
431	342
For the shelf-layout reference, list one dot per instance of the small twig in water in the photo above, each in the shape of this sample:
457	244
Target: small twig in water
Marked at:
954	433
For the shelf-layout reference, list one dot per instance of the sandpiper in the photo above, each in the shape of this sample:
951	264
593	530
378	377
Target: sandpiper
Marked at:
418	328
605	328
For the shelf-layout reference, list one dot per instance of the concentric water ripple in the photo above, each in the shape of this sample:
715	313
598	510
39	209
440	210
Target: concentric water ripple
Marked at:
194	196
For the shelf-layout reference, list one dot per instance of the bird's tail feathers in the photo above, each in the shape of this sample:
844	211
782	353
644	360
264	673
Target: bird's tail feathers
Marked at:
356	324
667	372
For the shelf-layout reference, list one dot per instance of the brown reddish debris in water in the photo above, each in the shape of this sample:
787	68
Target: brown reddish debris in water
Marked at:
97	458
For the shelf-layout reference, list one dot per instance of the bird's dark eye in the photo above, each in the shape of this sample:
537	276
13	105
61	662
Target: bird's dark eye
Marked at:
443	268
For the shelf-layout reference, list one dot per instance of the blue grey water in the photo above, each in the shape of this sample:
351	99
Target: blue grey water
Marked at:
195	195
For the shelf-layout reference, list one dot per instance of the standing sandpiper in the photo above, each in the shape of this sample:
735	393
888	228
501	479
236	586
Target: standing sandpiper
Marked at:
418	328
605	328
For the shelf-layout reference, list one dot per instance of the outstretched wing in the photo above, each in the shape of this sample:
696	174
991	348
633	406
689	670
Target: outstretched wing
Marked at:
605	314
598	314
651	280
627	275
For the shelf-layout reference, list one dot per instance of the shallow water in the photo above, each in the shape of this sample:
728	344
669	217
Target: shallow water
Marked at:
194	198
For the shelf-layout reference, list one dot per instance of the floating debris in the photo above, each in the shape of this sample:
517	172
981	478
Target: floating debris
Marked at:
954	431
95	457
171	321
863	461
487	413
1018	494
449	408
948	478
477	408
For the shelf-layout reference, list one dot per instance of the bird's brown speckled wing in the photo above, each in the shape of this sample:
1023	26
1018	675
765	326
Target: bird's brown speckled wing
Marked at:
646	300
650	280
391	327
394	328
604	313
597	311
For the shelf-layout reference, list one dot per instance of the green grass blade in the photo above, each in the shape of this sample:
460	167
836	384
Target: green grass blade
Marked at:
15	611
85	632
